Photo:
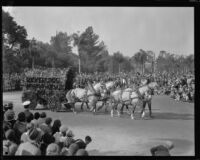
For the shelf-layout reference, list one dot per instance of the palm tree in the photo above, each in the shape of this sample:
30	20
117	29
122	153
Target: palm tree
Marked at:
33	50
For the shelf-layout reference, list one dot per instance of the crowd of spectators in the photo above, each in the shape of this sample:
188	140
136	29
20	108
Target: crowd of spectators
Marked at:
178	86
37	134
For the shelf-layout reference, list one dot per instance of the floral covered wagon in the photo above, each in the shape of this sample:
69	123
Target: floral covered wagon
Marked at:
47	87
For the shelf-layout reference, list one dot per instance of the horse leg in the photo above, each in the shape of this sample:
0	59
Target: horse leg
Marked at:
112	110
143	109
118	113
106	104
101	106
87	105
94	109
149	106
82	106
122	108
73	108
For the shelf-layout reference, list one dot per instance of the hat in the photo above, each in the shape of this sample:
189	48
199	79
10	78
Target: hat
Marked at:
21	116
169	145
9	115
48	120
34	134
43	115
10	134
52	149
81	152
29	126
47	138
63	128
26	103
73	148
10	105
70	134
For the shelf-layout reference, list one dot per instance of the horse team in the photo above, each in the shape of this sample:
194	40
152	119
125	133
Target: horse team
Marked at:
109	94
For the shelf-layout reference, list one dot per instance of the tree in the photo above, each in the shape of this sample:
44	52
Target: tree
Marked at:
14	40
119	58
88	47
140	58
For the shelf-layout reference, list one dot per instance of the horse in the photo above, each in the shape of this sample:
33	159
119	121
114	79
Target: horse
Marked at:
130	96
84	95
105	91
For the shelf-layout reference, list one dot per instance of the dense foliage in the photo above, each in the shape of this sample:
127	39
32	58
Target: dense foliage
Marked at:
20	52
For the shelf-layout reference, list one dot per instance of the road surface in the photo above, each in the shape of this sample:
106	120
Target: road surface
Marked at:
173	121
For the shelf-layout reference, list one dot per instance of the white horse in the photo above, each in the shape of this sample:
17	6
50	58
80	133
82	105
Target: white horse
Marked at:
105	89
131	97
87	95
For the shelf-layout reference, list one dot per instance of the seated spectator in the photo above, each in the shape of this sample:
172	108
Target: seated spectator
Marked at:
46	127
52	150
82	152
162	150
9	145
35	119
62	133
27	112
45	141
69	140
10	106
82	144
20	125
24	136
73	148
42	118
9	118
31	147
56	126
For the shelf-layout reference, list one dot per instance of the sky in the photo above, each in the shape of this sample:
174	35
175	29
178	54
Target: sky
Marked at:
124	29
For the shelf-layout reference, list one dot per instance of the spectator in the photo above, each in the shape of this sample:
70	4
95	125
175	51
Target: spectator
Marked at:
73	148
27	112
42	118
162	150
24	137
56	126
46	127
82	152
31	147
9	118
9	145
20	125
45	141
10	106
69	140
62	133
82	144
35	119
52	150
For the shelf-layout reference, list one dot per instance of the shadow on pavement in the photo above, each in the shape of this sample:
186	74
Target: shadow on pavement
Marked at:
172	116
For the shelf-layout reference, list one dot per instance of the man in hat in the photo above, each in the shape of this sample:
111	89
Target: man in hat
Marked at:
42	118
31	147
82	144
9	118
162	150
27	112
46	127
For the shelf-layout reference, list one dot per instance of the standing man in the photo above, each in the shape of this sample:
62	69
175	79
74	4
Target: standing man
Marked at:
147	100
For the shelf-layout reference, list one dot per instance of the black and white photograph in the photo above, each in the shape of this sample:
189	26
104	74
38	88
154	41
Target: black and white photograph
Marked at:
98	81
